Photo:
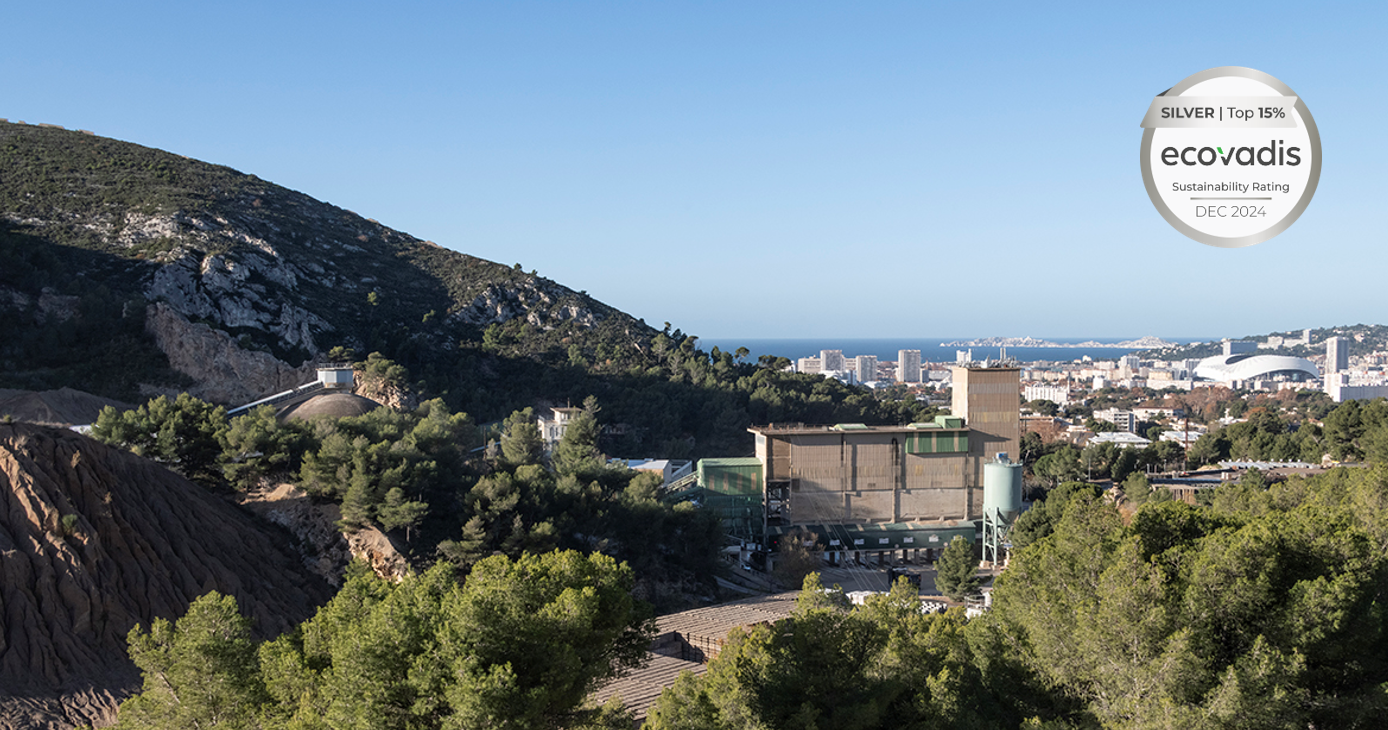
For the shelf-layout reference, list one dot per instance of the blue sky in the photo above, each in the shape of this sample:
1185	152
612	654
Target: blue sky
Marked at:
765	169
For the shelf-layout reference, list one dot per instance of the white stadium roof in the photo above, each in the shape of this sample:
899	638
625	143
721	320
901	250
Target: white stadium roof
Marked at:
1228	368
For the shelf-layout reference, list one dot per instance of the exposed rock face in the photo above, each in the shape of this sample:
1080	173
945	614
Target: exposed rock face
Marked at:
224	289
324	548
379	551
94	540
529	298
387	394
224	372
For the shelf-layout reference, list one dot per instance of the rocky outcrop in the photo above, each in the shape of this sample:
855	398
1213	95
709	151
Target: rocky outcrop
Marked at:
322	546
224	289
223	372
379	551
326	550
391	395
94	540
540	305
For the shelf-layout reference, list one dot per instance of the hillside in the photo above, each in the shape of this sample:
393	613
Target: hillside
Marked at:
129	272
1360	339
144	245
94	540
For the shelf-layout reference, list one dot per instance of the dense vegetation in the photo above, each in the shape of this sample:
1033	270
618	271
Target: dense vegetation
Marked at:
1265	609
424	476
518	644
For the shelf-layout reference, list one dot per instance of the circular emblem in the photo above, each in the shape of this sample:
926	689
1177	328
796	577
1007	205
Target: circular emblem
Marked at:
1230	156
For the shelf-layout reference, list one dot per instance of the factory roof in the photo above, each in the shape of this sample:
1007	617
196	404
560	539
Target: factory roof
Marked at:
949	423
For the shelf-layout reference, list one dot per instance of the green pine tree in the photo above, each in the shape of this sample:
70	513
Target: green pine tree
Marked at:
201	671
956	574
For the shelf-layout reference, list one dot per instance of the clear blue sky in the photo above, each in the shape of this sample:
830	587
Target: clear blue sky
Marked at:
762	169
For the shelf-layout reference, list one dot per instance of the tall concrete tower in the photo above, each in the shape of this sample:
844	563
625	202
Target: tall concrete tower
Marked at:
1336	355
832	360
866	368
989	399
908	366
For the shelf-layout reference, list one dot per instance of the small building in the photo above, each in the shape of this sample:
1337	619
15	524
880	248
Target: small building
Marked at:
554	423
1124	420
337	377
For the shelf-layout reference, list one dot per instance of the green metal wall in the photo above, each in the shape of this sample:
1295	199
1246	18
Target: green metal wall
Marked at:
937	442
741	477
732	489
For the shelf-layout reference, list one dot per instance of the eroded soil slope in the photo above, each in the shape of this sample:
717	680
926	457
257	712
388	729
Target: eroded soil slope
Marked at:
94	540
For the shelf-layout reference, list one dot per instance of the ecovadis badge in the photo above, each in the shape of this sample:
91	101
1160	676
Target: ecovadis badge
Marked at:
1230	156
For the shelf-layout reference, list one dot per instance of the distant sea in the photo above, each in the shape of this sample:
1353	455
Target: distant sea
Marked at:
931	351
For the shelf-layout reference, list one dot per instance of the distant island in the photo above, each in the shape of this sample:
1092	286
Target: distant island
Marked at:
1141	343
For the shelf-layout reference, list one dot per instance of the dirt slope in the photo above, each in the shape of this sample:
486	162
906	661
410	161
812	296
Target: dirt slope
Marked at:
61	407
144	543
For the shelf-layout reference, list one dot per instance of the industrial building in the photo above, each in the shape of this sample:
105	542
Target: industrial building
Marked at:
871	488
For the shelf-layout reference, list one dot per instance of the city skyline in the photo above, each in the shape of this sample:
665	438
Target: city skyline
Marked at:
869	165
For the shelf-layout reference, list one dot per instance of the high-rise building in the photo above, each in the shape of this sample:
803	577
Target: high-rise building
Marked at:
1336	355
809	365
1238	347
1058	394
832	360
908	366
866	368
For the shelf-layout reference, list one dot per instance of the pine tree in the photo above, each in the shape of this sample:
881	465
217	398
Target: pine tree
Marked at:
956	574
577	452
200	671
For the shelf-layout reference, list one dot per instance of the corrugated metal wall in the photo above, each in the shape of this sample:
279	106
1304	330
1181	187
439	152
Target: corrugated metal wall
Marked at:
731	476
857	477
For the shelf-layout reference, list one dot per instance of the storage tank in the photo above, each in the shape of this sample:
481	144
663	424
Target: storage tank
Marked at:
1002	489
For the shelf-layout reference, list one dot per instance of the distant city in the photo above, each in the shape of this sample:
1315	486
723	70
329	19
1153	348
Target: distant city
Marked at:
1259	365
1251	365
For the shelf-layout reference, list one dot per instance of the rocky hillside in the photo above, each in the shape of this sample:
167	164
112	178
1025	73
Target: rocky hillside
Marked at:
94	540
204	278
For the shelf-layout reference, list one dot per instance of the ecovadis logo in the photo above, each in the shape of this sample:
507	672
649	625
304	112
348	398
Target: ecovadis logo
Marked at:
1230	156
1276	153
